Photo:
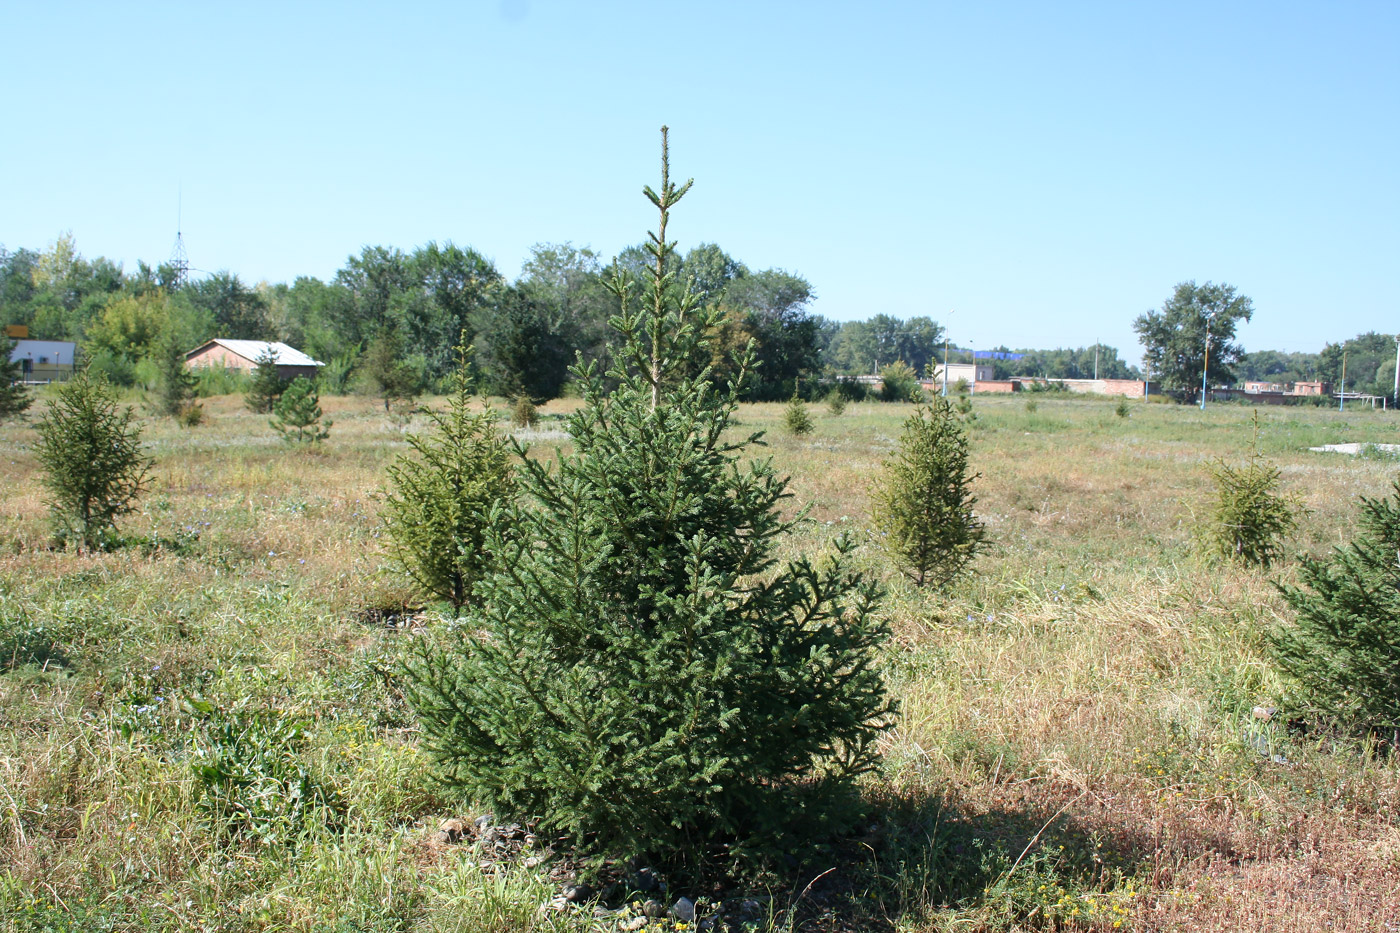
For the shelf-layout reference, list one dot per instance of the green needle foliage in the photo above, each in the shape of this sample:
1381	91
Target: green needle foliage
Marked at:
266	386
94	469
297	416
441	499
1250	518
1345	646
175	385
796	417
14	399
924	500
641	672
836	402
523	413
1121	409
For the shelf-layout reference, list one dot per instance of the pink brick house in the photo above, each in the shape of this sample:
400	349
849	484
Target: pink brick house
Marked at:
243	354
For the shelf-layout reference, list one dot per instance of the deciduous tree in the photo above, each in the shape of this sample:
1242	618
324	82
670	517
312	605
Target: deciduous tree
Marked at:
1174	338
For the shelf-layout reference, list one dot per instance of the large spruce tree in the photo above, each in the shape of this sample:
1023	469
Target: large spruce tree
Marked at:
641	672
1344	648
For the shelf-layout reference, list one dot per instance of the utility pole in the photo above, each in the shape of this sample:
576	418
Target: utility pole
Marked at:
1205	367
1096	360
1397	371
946	338
1342	395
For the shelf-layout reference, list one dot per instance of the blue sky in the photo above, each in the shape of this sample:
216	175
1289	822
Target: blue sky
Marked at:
1049	171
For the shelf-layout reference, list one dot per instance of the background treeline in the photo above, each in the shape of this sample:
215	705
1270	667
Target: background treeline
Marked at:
1370	364
412	307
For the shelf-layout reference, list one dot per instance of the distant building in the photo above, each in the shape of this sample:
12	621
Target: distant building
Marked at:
971	373
243	354
44	360
1252	386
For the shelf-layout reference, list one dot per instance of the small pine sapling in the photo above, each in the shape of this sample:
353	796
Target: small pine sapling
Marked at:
1121	409
94	469
1344	647
440	500
523	413
394	380
642	672
1250	519
924	500
836	402
266	386
174	392
14	399
796	417
297	416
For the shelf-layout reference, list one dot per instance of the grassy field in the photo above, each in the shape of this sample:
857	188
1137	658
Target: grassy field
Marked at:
1076	746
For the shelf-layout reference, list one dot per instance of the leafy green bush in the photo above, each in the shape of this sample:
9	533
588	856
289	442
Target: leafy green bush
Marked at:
22	641
219	380
1344	648
94	469
251	782
437	510
899	383
923	502
796	417
297	415
1250	519
641	673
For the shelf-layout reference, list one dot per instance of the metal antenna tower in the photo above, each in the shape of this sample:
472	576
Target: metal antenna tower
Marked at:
179	262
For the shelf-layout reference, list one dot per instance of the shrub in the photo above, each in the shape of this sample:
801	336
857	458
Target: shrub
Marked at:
438	507
1031	406
14	398
965	408
297	416
90	452
923	501
1121	409
250	781
796	418
836	402
265	386
1249	518
1344	648
641	673
174	391
392	378
219	380
899	383
523	413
